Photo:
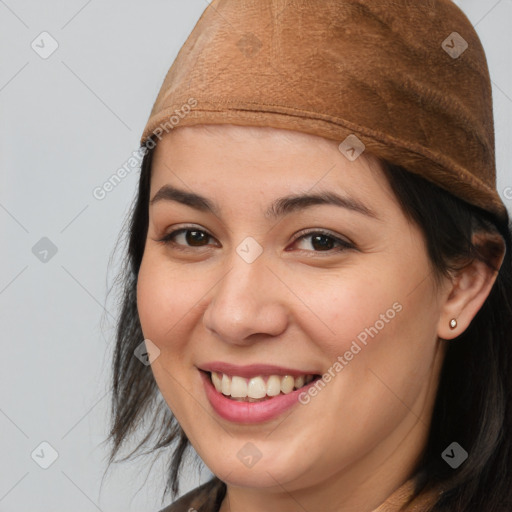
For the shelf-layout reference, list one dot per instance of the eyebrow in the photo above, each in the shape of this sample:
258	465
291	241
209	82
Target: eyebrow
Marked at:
279	208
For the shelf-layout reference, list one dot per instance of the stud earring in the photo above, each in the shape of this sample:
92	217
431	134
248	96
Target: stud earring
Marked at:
453	323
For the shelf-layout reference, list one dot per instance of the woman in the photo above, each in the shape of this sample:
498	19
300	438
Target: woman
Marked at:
319	264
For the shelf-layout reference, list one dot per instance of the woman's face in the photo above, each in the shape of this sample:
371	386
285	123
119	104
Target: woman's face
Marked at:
266	289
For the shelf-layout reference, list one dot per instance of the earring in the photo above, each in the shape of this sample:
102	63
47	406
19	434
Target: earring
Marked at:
453	323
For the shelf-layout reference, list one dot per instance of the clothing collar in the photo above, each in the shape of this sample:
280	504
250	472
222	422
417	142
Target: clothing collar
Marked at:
208	498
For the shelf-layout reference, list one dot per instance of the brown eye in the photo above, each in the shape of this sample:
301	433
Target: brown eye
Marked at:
324	242
186	237
195	237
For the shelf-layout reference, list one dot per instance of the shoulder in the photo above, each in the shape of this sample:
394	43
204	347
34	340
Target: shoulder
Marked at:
205	498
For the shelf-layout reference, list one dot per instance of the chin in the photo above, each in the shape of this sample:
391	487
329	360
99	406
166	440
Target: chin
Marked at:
257	477
260	472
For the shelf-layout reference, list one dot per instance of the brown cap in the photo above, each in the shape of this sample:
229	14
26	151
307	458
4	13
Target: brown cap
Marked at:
406	80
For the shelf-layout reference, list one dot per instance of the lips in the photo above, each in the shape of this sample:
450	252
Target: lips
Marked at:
254	393
253	370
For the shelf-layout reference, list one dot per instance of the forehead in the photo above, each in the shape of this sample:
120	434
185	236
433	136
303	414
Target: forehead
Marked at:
262	161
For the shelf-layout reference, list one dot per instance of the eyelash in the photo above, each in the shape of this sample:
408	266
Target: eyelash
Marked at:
344	244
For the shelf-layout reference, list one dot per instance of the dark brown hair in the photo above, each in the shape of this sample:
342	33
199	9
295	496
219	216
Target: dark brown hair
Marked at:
474	399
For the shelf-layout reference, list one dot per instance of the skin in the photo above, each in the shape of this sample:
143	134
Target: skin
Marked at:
301	306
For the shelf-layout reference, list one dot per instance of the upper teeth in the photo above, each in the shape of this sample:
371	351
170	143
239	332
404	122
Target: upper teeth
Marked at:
256	387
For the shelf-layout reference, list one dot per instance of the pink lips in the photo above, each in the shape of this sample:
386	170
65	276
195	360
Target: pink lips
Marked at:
253	370
250	412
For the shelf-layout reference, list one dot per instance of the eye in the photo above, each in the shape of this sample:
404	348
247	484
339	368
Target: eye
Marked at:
192	237
324	241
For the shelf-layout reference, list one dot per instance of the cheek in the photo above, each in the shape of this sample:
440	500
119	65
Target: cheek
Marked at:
374	320
165	298
350	306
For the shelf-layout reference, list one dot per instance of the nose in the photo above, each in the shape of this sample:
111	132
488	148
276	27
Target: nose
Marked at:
248	301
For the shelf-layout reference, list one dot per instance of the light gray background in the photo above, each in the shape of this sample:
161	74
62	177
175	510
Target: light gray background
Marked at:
67	123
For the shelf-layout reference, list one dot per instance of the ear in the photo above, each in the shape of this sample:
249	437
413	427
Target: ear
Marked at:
470	287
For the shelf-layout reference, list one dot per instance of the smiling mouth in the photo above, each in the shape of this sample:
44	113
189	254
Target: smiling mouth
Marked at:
258	388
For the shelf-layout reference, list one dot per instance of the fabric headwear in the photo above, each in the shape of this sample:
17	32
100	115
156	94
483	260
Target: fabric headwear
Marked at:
406	80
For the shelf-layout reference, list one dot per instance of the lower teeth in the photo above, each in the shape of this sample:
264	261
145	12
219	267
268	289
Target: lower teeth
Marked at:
248	399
